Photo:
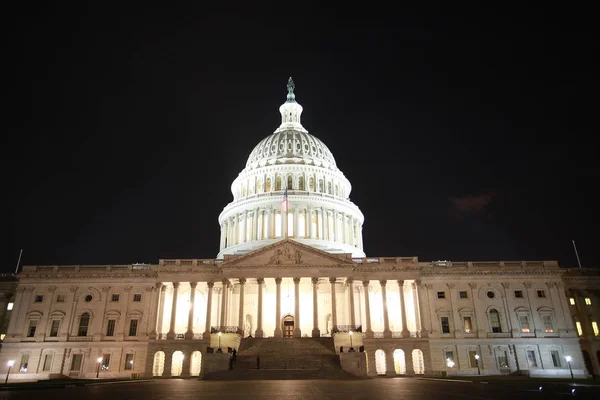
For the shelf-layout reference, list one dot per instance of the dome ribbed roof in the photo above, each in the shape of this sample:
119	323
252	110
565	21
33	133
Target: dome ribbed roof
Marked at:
291	147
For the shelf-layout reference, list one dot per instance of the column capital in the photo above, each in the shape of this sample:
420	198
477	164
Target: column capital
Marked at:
296	281
349	280
242	281
401	282
278	281
366	283
260	281
210	284
225	281
160	286
473	285
314	280
193	284
175	285
383	282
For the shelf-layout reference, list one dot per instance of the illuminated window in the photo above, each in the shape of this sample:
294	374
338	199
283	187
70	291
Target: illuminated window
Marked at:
2	336
572	301
547	320
579	330
10	306
24	363
588	301
128	361
468	325
595	328
524	321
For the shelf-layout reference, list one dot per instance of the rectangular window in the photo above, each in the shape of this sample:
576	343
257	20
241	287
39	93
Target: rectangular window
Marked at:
572	301
531	358
441	295
110	327
463	294
518	294
76	362
24	363
31	329
472	359
115	297
595	328
502	358
588	301
541	293
547	323
449	356
54	328
467	324
38	298
524	321
105	362
10	306
579	330
60	298
47	362
555	358
128	361
137	297
445	325
133	327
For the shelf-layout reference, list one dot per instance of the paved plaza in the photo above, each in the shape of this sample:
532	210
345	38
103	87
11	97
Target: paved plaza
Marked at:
380	388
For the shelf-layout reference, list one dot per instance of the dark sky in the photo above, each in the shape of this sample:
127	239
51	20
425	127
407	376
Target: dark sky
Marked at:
466	134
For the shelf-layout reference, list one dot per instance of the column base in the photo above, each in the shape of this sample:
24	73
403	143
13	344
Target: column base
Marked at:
424	334
369	334
170	335
259	333
387	334
189	335
297	333
316	332
278	333
405	334
153	335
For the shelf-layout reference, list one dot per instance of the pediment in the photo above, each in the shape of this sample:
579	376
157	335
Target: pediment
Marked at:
289	252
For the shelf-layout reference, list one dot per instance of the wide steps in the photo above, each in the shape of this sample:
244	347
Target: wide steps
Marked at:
286	346
277	374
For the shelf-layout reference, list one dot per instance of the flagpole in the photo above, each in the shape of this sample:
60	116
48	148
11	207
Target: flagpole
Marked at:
19	261
578	261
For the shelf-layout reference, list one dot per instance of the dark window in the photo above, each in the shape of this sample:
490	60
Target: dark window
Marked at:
60	298
495	321
84	322
115	297
531	358
32	327
47	363
519	294
445	325
137	297
133	327
110	327
39	298
490	294
54	328
541	293
88	298
463	294
555	358
128	361
76	362
441	295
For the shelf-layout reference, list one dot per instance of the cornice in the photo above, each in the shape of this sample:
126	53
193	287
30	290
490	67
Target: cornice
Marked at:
498	273
58	276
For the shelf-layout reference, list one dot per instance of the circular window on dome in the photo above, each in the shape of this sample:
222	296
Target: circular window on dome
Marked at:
305	146
88	298
490	294
313	149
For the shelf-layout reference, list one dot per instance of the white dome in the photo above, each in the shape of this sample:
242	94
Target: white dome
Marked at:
291	147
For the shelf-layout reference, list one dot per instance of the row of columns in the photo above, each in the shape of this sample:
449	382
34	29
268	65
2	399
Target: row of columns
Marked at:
189	334
235	230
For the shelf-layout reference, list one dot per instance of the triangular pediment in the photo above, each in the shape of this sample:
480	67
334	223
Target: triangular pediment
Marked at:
289	252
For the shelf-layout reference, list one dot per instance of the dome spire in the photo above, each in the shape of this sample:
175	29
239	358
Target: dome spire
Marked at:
291	97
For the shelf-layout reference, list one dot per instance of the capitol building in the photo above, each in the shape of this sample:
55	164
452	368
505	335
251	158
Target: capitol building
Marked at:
292	289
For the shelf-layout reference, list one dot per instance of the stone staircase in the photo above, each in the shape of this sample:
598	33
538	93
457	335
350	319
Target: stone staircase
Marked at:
289	358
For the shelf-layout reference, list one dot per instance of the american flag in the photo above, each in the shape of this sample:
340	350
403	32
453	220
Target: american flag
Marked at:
284	203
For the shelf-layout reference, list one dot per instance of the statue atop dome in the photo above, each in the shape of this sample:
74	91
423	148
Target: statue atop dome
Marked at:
291	97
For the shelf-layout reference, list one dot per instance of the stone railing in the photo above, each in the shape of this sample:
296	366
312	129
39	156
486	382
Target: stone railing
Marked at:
80	338
346	328
225	329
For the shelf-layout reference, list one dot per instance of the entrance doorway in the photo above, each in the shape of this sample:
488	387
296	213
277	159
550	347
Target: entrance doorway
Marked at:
288	326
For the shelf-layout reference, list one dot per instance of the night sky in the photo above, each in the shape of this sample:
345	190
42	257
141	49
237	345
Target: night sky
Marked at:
467	134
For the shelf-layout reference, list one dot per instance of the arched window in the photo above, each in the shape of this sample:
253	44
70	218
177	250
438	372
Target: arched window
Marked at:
301	183
337	190
278	183
329	188
268	185
321	187
311	184
290	183
84	322
495	320
259	186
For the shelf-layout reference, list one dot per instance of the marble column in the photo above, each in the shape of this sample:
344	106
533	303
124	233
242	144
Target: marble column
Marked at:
222	240
344	230
189	334
171	333
223	303
259	330
416	306
168	366
315	332
335	226
268	218
350	282
386	321
297	332
321	224
241	308
161	312
186	364
333	305
278	332
244	227
405	331
368	331
256	220
390	370
207	329
236	227
312	229
296	221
